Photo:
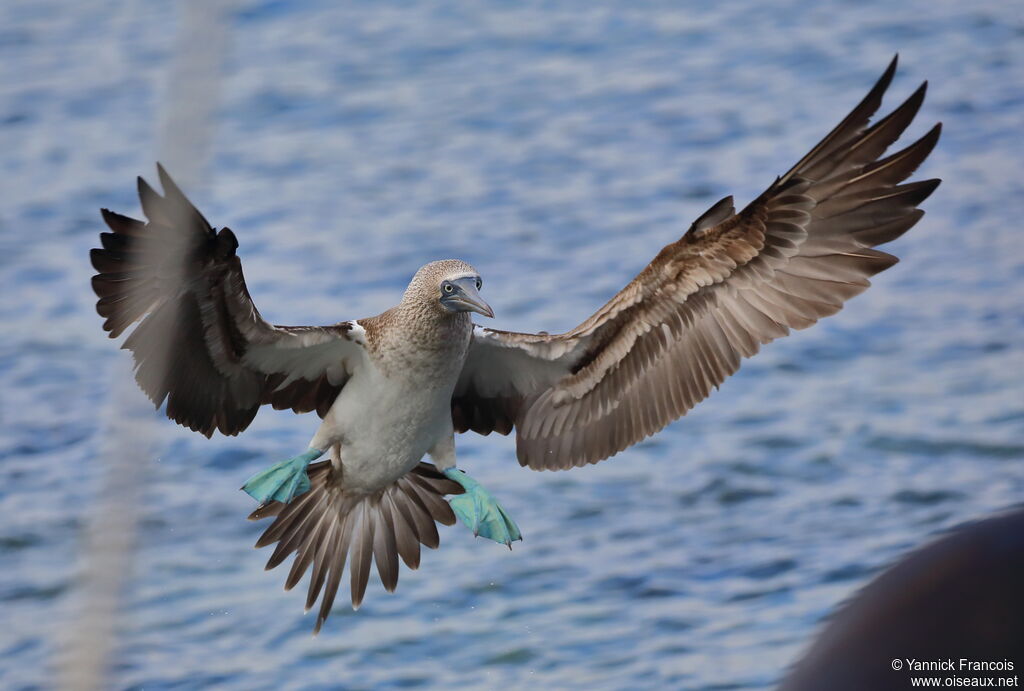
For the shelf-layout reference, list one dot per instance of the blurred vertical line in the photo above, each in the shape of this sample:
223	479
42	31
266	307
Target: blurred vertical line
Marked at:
131	436
193	90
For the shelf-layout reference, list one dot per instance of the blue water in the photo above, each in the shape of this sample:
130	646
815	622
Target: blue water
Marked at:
557	147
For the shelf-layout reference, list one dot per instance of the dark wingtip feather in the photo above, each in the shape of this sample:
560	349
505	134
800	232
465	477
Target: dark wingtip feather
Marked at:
854	121
918	95
873	100
144	188
265	511
928	141
120	224
883	83
179	203
151	201
927	187
891	69
895	122
167	183
913	103
171	189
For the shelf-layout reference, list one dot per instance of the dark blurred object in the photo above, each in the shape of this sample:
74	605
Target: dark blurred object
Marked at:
961	596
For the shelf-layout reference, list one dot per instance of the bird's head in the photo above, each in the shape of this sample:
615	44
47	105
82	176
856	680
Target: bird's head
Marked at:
451	285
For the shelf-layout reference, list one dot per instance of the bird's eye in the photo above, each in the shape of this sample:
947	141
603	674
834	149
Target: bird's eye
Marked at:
448	287
479	283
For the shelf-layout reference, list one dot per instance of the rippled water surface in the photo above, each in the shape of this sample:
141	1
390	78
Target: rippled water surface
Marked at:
556	148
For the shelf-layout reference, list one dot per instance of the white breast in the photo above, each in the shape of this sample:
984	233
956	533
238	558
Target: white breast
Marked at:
385	423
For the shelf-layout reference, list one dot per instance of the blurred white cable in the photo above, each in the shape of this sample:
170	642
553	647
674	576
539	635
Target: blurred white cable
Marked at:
192	98
131	435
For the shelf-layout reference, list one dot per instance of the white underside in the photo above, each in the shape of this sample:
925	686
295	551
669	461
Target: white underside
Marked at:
379	428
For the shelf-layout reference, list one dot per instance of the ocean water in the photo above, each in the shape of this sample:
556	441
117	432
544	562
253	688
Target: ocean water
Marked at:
557	147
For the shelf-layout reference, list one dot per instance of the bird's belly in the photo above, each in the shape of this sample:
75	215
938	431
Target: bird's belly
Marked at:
386	428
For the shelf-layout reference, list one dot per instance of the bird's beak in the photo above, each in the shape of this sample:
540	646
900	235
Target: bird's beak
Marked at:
468	299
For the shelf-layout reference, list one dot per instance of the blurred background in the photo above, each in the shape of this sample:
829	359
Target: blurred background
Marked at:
557	147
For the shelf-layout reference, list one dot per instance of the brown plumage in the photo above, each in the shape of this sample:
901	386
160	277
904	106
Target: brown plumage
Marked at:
326	525
384	385
223	360
732	283
202	346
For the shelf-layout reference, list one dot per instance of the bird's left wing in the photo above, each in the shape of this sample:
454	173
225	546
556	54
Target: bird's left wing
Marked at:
731	283
202	345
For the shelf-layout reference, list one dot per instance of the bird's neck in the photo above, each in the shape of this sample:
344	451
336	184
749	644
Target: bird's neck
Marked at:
414	336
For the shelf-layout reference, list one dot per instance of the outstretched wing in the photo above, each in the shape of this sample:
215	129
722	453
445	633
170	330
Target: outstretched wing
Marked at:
202	344
731	283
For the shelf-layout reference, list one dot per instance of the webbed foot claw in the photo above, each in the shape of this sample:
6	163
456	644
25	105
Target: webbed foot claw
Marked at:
282	481
481	512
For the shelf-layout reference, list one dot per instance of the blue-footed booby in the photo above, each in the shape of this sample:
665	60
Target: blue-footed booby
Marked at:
394	388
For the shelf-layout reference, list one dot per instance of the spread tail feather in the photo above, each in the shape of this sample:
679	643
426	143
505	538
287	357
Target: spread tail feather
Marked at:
328	526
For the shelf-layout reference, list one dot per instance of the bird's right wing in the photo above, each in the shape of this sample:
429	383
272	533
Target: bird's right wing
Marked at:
202	344
731	283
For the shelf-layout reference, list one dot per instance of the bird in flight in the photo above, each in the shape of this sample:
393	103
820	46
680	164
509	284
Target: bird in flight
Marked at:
397	387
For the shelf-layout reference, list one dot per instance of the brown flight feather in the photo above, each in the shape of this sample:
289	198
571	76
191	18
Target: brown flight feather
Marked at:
202	345
730	284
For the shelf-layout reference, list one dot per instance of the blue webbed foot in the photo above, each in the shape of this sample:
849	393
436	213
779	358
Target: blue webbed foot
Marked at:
282	481
479	510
